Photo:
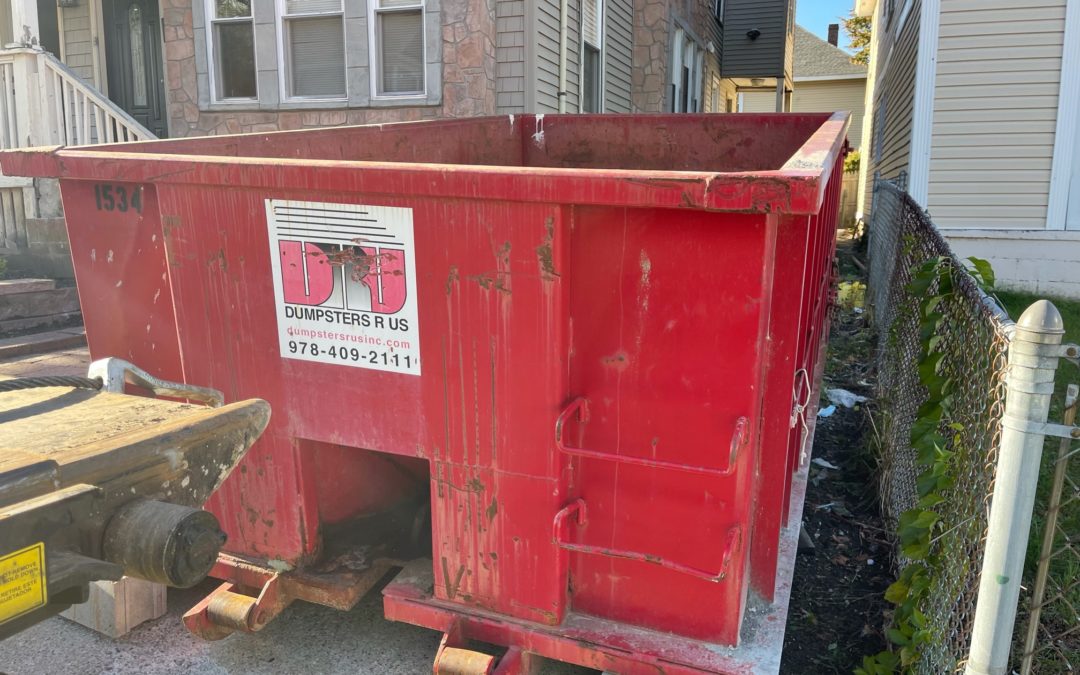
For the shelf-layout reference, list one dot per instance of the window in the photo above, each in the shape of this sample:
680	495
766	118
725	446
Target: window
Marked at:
592	36
398	47
232	50
718	10
313	49
688	76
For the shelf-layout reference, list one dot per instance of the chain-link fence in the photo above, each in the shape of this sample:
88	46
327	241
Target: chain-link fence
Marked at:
974	339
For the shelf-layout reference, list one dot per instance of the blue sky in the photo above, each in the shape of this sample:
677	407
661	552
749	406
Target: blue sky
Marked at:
816	15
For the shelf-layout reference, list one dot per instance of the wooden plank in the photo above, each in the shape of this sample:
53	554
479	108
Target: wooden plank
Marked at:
41	343
114	608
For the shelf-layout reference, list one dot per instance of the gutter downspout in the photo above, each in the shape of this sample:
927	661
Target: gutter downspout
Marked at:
564	34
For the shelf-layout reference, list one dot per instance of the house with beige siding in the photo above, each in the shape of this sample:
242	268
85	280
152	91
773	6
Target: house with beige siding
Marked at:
975	105
824	80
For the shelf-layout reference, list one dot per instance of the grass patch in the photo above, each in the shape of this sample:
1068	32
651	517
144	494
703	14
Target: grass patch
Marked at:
1061	615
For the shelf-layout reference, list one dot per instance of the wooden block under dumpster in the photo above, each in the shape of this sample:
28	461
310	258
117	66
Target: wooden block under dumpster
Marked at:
95	485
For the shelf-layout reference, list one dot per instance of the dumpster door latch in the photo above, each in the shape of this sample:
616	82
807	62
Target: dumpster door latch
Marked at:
578	411
576	512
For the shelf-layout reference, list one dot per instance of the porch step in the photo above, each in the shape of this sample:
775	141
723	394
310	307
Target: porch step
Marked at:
11	286
41	343
32	304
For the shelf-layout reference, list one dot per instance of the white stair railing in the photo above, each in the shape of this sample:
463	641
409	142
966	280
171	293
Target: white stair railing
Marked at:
44	102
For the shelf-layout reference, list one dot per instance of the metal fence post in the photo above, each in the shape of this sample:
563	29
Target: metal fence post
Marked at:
1033	359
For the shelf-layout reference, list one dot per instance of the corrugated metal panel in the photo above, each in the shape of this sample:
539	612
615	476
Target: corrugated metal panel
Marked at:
995	108
619	54
509	56
764	56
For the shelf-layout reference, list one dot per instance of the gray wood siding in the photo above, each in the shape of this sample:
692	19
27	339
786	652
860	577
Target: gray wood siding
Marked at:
890	141
619	54
765	56
542	16
77	40
546	36
509	56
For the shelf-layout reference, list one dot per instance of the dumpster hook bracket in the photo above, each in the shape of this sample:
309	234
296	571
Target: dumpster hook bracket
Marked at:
577	510
579	408
115	373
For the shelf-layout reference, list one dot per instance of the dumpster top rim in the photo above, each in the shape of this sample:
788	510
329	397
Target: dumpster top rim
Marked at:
795	188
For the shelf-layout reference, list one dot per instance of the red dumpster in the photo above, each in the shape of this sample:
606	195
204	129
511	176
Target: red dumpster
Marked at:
558	367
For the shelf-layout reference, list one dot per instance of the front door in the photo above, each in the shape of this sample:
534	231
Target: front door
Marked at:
133	56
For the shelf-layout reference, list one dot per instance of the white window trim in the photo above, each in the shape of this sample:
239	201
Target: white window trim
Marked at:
922	117
718	11
374	56
211	63
283	60
1065	166
601	17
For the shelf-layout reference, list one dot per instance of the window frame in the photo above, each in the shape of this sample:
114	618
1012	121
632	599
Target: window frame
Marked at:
718	11
209	12
601	66
375	57
283	64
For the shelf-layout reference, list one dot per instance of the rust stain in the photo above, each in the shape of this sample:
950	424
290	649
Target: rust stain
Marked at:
618	361
451	279
492	509
491	281
545	251
452	587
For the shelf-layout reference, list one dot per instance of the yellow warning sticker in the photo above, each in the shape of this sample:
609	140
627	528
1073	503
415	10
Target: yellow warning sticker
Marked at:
22	582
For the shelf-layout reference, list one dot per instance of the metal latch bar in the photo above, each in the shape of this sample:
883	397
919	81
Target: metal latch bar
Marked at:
580	406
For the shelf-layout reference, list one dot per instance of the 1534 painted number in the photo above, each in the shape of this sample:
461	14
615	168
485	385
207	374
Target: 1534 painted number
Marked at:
118	197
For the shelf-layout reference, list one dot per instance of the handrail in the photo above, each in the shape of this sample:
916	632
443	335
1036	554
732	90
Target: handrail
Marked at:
114	124
44	102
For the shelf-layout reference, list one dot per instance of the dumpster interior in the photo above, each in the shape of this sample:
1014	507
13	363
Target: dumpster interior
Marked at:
698	143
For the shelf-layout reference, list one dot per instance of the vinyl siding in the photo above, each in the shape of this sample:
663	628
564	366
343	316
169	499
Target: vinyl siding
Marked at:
758	102
890	141
77	40
618	54
831	96
546	36
765	56
509	56
995	109
819	97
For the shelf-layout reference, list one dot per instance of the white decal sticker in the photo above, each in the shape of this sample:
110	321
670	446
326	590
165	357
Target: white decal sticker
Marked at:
345	284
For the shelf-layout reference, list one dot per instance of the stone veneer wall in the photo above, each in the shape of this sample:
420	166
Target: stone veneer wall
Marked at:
468	79
652	30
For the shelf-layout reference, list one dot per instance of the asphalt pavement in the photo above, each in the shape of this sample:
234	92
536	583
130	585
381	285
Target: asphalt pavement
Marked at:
306	638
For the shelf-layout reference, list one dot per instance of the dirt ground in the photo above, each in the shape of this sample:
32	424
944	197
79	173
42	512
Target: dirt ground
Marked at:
838	614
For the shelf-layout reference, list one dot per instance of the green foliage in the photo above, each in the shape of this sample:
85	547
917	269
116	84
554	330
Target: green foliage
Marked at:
858	29
932	434
851	162
3	267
